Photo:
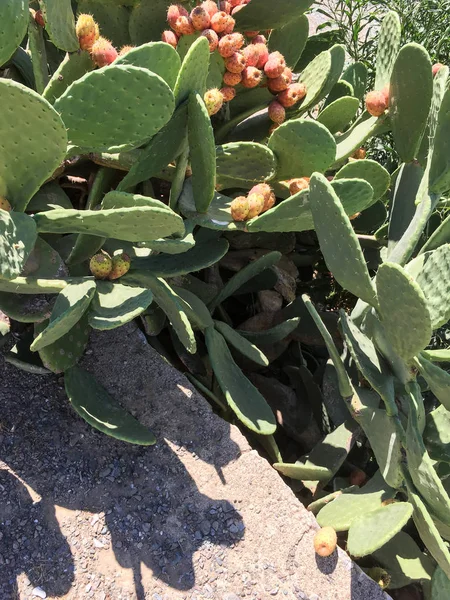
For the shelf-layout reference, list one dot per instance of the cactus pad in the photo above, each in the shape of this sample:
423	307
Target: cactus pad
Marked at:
408	330
315	77
115	304
29	154
439	179
241	344
194	71
112	19
17	238
114	91
158	57
437	379
60	24
265	14
93	403
74	66
388	46
337	115
301	147
371	171
246	161
303	472
70	306
433	277
361	130
370	532
13	27
148	19
244	399
290	39
356	76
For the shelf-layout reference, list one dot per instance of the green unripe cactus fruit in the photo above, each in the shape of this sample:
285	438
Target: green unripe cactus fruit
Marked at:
213	101
239	208
101	266
380	576
120	265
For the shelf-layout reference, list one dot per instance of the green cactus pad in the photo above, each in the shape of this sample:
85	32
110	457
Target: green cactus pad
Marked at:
339	90
315	77
371	171
338	241
21	60
170	303
267	15
408	110
431	271
17	238
422	471
202	152
361	130
196	310
119	199
337	53
251	270
388	47
241	344
244	399
158	57
301	147
428	531
51	195
437	379
294	213
13	27
112	19
369	362
115	304
174	244
194	71
290	39
131	88
137	224
93	403
440	236
436	435
303	472
356	75
337	115
409	330
73	67
441	355
67	350
216	71
370	532
148	20
440	585
38	50
164	147
246	161
60	24
273	335
70	305
29	154
342	512
439	179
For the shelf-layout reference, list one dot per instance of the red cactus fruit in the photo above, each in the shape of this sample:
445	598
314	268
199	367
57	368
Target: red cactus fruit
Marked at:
101	265
298	184
236	63
255	205
293	94
277	114
251	55
263	52
120	265
234	3
200	18
170	37
325	541
251	34
230	43
210	6
386	91
359	154
225	6
239	208
266	192
435	68
220	21
236	9
39	18
259	39
174	11
357	476
281	82
125	49
275	65
251	77
4	204
212	37
103	52
273	127
183	26
376	103
87	31
213	101
232	78
228	93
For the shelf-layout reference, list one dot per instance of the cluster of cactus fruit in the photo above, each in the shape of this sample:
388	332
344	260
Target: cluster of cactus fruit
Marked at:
128	251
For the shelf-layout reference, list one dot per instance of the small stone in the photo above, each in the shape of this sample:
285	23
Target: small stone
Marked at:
205	527
39	592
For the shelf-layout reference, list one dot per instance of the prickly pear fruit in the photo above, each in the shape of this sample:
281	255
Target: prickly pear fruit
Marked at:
386	91
251	77
281	82
232	78
357	476
275	65
359	154
183	26
266	192
239	208
213	101
273	127
251	34
174	11
259	39
170	37
293	94
325	541
236	63
435	68
101	266
228	93
125	49
225	6
251	55
255	205
220	22
376	103
234	3
200	18
39	18
103	52
236	9
120	265
230	43
4	204
277	114
263	52
87	31
210	6
212	37
380	576
298	184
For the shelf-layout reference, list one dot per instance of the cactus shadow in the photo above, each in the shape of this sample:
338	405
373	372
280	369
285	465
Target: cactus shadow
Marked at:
327	564
149	510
